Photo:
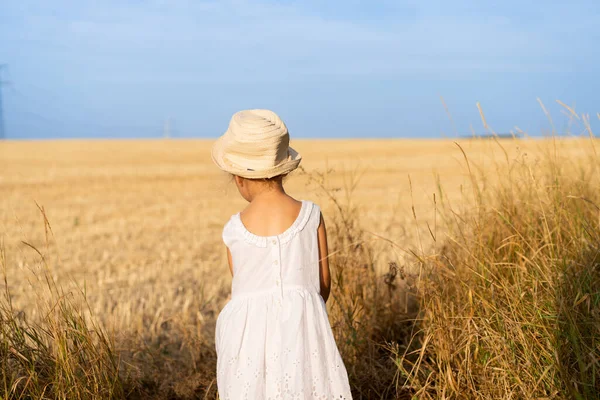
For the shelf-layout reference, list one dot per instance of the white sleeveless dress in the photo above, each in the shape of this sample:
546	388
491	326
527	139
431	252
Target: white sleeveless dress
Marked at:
273	338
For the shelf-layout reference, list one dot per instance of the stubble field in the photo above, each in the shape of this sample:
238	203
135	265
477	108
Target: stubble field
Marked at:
136	226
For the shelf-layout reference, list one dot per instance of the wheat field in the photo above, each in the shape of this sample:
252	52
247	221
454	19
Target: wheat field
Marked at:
136	224
126	212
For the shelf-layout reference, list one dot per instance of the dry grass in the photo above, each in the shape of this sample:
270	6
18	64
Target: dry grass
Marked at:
478	280
64	354
511	299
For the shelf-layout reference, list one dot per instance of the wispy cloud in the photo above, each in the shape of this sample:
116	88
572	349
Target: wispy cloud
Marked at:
99	45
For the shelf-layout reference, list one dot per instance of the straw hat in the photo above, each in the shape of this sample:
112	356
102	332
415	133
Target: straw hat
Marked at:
256	145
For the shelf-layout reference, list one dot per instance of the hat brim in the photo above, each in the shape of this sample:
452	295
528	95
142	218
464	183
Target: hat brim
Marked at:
285	167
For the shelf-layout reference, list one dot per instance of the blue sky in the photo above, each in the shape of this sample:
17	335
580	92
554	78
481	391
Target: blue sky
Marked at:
329	68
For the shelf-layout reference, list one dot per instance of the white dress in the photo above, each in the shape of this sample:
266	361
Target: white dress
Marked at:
273	338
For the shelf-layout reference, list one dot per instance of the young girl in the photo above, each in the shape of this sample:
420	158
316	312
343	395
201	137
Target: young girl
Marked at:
273	338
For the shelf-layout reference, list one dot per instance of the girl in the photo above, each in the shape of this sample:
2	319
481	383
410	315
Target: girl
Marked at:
273	338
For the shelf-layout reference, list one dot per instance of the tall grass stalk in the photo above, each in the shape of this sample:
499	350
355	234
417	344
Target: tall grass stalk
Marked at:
510	304
368	307
64	355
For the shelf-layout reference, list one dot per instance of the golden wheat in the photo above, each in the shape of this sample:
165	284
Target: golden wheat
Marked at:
134	234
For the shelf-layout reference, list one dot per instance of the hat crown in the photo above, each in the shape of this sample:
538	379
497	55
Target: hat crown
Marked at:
257	139
256	145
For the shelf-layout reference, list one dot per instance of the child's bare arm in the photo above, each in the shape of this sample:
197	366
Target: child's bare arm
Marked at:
324	274
230	261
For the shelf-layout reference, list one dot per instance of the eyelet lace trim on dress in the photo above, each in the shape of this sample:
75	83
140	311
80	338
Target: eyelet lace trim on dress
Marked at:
280	388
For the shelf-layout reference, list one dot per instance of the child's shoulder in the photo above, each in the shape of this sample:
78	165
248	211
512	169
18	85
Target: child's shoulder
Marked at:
309	218
308	208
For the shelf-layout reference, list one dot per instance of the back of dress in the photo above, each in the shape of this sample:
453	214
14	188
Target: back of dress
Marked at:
275	263
273	337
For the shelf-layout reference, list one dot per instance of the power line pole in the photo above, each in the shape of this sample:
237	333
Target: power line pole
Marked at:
170	128
167	128
2	131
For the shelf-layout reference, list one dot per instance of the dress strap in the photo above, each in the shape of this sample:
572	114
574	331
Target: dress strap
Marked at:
305	214
314	218
229	234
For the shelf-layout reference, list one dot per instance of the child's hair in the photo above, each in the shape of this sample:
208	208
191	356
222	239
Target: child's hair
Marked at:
270	181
